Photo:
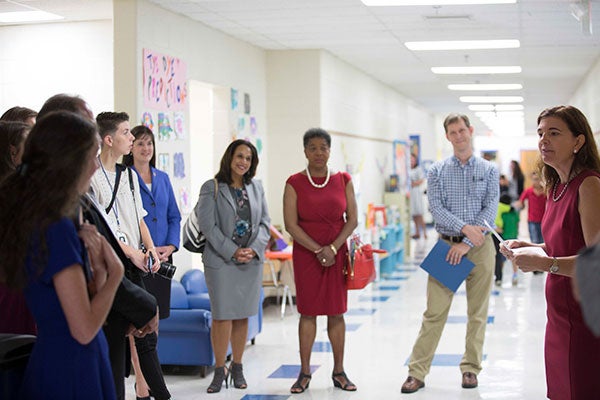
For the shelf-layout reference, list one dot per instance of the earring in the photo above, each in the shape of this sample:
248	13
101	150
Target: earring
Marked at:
574	151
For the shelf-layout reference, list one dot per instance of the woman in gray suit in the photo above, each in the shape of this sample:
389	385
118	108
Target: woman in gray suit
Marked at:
235	222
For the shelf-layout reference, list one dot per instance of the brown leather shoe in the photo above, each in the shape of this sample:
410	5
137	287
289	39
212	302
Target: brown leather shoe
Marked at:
411	385
469	380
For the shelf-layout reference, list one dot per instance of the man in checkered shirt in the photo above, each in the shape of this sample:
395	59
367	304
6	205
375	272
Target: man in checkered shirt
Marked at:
463	193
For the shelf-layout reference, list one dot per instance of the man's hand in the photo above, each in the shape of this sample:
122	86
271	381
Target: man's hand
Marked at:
456	253
475	234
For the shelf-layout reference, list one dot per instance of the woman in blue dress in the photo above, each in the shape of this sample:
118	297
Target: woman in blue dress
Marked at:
68	271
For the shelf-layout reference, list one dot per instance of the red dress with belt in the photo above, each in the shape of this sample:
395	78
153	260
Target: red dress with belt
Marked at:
320	290
572	352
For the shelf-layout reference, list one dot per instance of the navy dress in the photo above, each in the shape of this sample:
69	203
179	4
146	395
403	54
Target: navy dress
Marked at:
59	366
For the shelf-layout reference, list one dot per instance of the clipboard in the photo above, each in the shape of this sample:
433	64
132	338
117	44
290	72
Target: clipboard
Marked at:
447	274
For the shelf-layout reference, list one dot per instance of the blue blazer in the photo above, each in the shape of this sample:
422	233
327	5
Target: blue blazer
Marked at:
216	219
163	217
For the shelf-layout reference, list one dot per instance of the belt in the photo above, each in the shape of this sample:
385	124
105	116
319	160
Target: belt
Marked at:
453	239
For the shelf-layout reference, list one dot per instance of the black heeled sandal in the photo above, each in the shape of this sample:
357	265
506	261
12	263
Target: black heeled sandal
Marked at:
236	372
298	384
348	386
221	374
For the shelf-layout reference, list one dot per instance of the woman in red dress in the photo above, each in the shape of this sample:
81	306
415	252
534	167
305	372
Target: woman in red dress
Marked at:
571	170
320	213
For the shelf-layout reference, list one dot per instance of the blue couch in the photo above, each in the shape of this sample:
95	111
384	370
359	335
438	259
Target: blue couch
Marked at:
184	337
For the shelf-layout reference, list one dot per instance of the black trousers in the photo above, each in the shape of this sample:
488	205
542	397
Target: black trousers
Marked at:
146	349
499	259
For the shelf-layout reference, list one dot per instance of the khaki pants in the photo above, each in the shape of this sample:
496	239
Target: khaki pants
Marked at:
439	299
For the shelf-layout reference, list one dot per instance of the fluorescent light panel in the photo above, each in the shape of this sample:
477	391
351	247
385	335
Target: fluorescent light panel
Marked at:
485	86
496	107
28	16
463	45
433	2
491	99
476	70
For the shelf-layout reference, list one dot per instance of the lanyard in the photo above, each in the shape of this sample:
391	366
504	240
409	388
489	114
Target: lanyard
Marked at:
114	208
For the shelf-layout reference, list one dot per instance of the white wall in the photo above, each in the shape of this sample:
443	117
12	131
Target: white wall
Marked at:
586	97
38	61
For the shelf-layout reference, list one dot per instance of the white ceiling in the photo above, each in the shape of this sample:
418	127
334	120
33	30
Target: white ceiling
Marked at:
555	54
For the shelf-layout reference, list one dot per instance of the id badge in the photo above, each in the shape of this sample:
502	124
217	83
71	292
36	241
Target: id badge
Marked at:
121	236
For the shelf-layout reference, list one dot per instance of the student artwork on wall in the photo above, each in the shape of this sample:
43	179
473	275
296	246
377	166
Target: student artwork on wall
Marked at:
401	164
243	124
165	131
164	81
178	165
179	125
162	162
234	99
183	201
415	146
148	121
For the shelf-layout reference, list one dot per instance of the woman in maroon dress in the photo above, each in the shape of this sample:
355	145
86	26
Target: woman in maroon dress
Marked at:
571	171
320	212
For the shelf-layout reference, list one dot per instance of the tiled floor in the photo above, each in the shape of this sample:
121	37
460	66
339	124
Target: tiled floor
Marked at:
382	323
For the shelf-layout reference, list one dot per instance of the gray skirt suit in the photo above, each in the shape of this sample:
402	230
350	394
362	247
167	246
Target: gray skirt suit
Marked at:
234	288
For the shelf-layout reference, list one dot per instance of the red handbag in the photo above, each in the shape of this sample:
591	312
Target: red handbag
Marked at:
360	269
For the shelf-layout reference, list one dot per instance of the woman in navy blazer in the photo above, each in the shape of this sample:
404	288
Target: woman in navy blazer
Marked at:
235	221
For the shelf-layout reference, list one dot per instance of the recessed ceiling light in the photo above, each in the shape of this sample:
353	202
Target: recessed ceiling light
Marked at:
463	44
491	99
433	2
496	107
476	70
486	86
28	16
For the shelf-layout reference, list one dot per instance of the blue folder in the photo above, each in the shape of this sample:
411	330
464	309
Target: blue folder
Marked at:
448	275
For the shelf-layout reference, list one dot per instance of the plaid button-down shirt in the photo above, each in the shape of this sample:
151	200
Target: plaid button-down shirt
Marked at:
462	195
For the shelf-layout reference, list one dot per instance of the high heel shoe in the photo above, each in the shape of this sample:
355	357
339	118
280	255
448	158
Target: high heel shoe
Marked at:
297	386
348	386
221	374
236	374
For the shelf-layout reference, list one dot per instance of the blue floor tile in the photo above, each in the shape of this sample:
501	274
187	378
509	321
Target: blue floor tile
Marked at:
464	292
265	397
387	287
361	311
374	298
395	278
289	371
446	360
352	327
462	319
321	347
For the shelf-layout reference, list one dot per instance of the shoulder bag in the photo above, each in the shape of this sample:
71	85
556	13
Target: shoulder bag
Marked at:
193	239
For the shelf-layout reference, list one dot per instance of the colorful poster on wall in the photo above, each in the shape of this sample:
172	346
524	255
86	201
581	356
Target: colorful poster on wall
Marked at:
179	125
165	131
401	164
178	166
164	81
415	146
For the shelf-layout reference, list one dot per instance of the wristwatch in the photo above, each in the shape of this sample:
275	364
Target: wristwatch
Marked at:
554	266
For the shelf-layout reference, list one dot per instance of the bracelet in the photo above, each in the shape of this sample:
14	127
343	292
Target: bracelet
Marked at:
332	247
317	251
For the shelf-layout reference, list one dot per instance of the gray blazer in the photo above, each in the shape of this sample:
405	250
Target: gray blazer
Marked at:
217	219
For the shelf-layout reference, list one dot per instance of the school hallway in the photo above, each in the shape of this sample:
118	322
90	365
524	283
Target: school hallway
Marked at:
382	323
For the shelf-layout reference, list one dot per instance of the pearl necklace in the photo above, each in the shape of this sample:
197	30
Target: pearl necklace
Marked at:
562	192
321	186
